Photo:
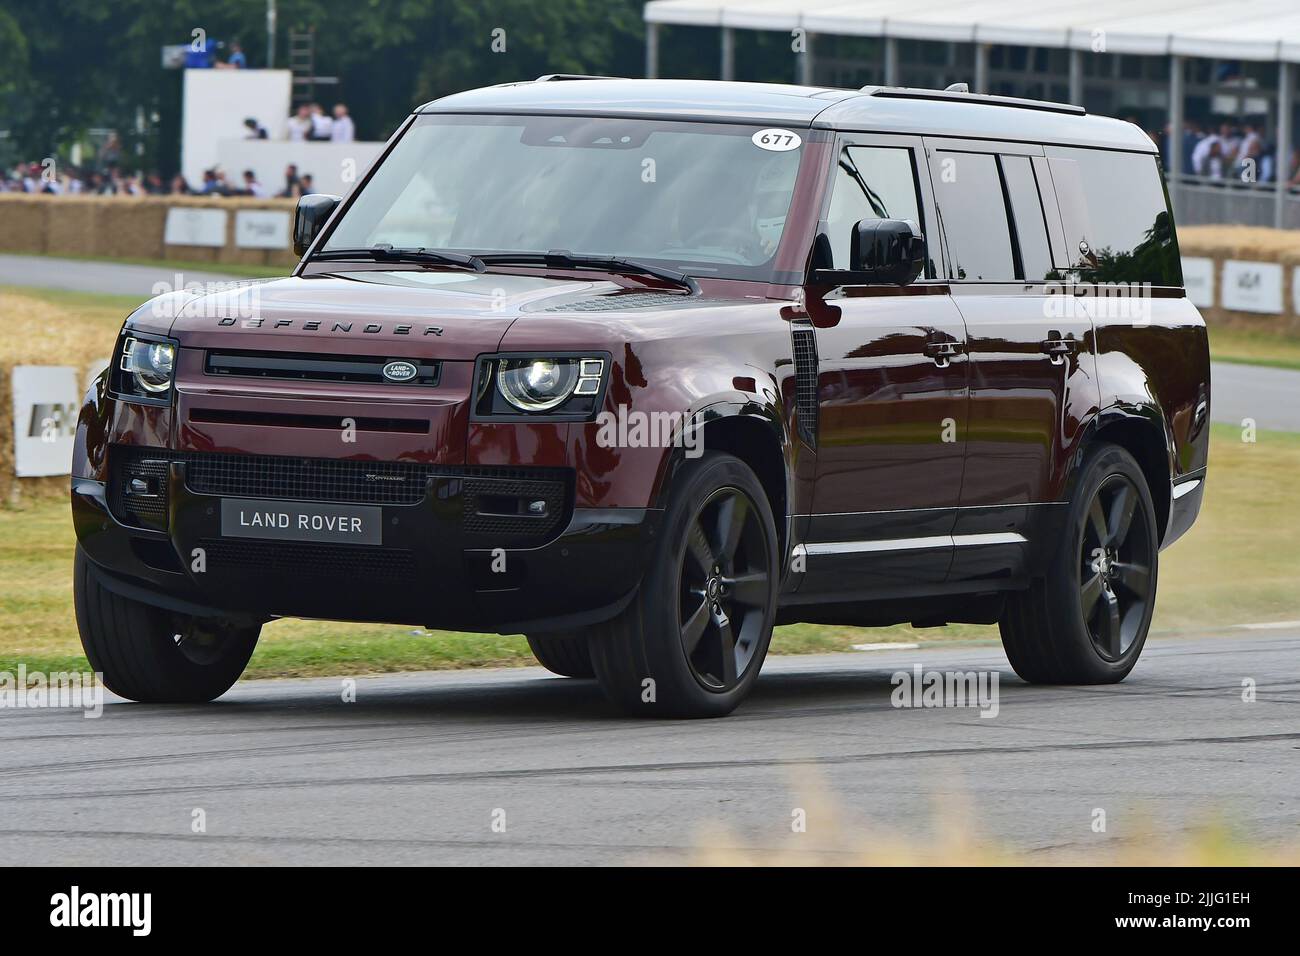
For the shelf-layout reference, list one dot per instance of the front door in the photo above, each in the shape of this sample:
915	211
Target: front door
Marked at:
892	396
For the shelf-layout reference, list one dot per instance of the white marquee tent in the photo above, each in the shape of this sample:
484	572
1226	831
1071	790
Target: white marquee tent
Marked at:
1265	31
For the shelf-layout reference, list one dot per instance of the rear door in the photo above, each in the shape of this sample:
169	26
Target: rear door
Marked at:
1033	380
891	390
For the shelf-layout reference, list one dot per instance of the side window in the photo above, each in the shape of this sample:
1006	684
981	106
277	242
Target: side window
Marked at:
973	211
1116	217
872	182
1027	216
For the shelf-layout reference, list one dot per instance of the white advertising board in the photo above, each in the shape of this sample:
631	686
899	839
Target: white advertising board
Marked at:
46	399
187	226
262	229
1198	278
1252	287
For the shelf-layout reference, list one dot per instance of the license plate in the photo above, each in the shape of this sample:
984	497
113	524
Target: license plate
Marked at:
301	521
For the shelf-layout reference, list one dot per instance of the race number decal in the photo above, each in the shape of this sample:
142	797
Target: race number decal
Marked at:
776	140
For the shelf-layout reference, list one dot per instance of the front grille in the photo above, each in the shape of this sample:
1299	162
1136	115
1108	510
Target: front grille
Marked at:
305	479
495	498
318	560
805	382
367	369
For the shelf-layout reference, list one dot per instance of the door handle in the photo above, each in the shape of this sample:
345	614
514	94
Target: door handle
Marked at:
943	352
1058	349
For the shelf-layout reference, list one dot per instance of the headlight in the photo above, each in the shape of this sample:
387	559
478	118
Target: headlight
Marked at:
559	386
148	367
536	385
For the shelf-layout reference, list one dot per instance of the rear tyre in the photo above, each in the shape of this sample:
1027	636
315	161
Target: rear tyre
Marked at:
155	656
563	654
1086	621
692	640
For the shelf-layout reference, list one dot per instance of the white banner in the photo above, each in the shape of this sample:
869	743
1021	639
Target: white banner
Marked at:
46	400
261	229
1252	287
1198	279
189	226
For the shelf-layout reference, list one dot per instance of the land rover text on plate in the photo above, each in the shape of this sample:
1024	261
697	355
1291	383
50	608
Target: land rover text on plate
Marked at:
640	369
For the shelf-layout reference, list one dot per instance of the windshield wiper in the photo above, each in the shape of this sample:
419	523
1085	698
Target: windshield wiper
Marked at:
563	259
383	252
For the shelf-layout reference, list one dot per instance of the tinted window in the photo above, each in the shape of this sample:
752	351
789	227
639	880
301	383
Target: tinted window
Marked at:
873	182
1117	222
1027	216
974	215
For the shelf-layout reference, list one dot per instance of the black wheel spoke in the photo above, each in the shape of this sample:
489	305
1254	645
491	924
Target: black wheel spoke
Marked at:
732	513
1089	594
1121	514
695	626
697	546
1097	519
749	589
727	651
1134	578
1109	623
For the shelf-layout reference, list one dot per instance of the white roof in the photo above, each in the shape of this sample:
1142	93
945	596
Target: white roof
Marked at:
1227	29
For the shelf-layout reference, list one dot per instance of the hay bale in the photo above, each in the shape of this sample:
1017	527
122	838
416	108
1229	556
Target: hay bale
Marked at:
1248	244
132	228
24	223
72	225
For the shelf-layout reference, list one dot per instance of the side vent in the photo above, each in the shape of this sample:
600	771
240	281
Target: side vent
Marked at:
805	382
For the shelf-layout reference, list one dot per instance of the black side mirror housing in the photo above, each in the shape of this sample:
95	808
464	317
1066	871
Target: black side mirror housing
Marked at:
311	215
887	251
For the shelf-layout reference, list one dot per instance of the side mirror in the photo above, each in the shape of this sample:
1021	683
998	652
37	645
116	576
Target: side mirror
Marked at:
312	213
887	251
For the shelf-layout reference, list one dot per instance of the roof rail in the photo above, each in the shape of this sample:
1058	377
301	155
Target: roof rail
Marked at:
959	96
553	77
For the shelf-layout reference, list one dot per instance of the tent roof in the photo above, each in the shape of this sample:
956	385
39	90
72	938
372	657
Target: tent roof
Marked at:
1243	29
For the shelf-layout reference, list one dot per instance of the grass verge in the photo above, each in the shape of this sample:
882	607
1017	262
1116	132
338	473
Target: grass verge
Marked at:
1254	347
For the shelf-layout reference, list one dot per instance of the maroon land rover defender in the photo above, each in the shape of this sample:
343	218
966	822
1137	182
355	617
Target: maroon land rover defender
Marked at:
640	369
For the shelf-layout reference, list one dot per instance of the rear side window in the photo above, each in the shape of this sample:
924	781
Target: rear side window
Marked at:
1027	216
872	182
1116	217
973	210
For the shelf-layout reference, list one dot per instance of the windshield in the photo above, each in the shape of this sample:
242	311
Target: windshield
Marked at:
704	199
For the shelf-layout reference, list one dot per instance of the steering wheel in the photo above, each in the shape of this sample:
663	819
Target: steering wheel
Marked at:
739	241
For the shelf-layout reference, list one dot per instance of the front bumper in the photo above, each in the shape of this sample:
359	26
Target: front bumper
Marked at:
439	566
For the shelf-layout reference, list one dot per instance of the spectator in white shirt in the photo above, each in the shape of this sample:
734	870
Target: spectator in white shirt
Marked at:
300	124
320	123
251	186
342	131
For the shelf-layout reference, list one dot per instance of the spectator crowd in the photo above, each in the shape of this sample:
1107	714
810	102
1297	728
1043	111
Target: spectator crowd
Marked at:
105	174
1230	152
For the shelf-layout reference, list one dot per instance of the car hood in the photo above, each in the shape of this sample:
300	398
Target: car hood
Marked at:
441	314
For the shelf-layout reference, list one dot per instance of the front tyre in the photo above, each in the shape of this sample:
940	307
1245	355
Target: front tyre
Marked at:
692	641
151	655
1086	621
562	654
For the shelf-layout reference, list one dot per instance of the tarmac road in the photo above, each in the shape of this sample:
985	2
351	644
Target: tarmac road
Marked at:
412	772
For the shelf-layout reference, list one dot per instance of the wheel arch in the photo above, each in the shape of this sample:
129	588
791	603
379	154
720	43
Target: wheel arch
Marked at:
1140	430
754	434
